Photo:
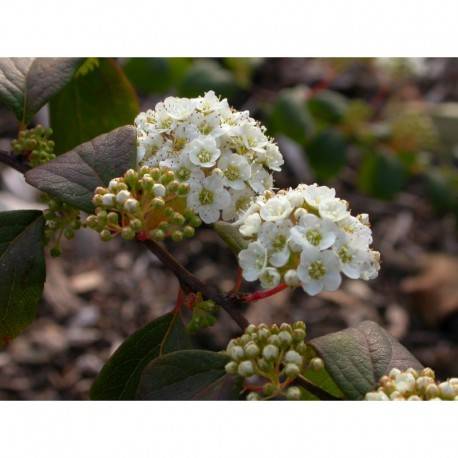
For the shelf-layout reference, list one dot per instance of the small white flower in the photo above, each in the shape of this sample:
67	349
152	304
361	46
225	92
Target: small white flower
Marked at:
314	231
208	199
253	138
334	209
236	170
315	194
210	102
274	236
203	152
241	199
276	208
253	261
291	278
260	179
179	108
354	256
251	225
318	270
270	278
273	158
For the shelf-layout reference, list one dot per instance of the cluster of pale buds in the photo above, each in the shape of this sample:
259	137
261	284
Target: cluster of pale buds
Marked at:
270	359
148	204
413	386
223	154
306	236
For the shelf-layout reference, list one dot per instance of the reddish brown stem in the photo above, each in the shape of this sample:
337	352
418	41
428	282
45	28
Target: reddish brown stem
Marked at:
238	281
256	296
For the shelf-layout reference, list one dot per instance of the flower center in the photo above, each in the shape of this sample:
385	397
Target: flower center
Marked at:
314	237
345	255
205	128
206	197
204	156
232	173
316	270
279	242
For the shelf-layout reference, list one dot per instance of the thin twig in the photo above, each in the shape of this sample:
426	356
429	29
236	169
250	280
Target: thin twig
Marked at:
15	162
190	283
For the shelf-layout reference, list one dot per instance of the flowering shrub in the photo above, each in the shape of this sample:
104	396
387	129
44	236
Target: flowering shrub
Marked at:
187	162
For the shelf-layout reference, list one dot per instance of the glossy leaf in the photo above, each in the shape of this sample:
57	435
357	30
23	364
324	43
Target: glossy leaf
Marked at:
327	153
356	358
22	269
290	117
157	74
73	176
26	84
206	75
381	176
95	102
120	376
231	235
188	375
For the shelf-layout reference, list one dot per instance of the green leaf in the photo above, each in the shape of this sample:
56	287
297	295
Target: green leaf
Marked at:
188	375
156	75
327	153
92	104
381	176
26	84
356	358
206	75
22	269
442	188
328	106
231	235
73	176
120	376
290	117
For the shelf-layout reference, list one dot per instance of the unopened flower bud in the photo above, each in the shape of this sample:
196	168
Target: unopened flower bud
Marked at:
157	235
159	190
108	200
428	372
136	224
317	364
167	177
147	183
177	219
285	338
231	367
158	203
265	366
122	196
274	340
405	383
263	334
177	236
293	393
236	353
293	357
298	335
253	396
270	352
131	205
252	350
106	235
394	372
269	389
246	369
432	391
113	218
172	187
127	233
446	391
189	231
183	189
292	370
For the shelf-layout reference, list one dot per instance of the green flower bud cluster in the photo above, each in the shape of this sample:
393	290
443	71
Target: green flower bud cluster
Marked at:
145	204
203	315
413	386
62	219
270	359
35	145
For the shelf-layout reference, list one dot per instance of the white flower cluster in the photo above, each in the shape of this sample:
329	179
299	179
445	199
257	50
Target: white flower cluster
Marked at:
306	236
223	154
